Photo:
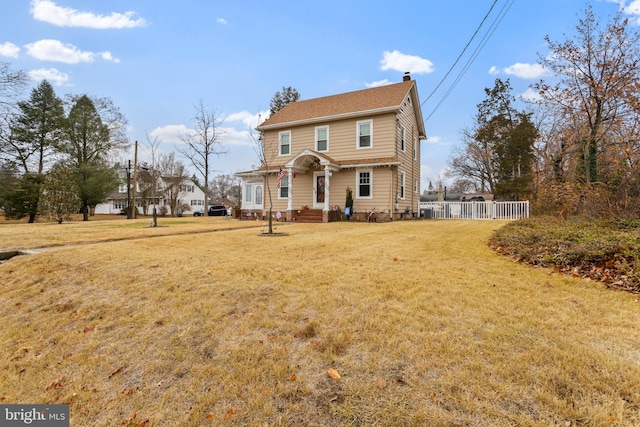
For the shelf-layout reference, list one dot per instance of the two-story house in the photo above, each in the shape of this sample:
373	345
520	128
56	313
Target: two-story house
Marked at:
180	196
367	141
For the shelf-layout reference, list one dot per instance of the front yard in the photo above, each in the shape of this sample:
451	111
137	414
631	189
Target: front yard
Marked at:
402	323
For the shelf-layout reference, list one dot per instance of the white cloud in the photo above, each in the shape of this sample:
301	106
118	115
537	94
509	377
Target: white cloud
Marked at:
436	140
398	61
48	11
53	75
530	95
221	21
632	8
108	57
378	83
235	137
54	50
9	49
169	133
250	121
520	70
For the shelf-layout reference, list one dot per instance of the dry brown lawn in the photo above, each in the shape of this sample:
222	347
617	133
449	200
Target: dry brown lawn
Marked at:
423	323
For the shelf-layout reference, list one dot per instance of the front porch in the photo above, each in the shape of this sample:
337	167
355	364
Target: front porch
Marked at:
302	215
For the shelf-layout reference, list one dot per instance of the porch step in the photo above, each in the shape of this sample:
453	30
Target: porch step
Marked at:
308	216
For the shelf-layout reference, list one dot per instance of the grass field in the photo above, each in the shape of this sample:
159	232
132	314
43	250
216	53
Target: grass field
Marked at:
421	321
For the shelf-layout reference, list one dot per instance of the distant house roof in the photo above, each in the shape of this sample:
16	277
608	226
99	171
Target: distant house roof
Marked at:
363	102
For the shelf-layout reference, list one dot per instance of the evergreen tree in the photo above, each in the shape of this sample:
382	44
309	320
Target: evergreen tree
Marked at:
281	99
21	197
87	145
499	149
59	197
35	130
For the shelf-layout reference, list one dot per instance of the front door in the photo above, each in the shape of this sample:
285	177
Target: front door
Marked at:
319	190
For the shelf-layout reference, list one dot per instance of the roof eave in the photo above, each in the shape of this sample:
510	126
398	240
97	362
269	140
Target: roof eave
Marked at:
330	118
370	165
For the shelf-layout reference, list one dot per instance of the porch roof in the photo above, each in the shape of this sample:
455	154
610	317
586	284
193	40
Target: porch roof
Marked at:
336	164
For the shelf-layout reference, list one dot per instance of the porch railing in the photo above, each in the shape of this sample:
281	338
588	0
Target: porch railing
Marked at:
475	210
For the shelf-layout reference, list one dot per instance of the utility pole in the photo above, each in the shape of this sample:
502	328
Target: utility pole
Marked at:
155	214
129	191
135	181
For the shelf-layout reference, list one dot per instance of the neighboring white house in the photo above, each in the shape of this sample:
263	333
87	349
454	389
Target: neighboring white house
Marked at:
189	198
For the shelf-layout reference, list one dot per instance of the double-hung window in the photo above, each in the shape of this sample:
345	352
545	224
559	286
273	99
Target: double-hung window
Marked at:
364	186
402	139
284	187
364	130
285	143
322	138
402	184
415	148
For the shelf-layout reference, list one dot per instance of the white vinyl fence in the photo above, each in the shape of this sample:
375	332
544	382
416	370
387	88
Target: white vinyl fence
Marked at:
475	210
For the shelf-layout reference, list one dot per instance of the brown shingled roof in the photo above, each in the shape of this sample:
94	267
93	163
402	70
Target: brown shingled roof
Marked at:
344	104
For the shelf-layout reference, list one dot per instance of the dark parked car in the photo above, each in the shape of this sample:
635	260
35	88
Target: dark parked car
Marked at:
217	210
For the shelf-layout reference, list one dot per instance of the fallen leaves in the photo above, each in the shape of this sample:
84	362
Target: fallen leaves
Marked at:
230	412
116	372
381	383
56	384
333	373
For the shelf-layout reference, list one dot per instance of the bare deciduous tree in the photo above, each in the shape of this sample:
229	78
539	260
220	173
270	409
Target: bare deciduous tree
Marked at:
174	174
266	154
203	142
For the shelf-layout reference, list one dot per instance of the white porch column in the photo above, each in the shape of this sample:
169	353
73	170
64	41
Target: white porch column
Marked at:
327	176
290	195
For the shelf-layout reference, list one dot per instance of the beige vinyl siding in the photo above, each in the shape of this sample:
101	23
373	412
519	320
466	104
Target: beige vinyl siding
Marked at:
410	160
383	190
342	139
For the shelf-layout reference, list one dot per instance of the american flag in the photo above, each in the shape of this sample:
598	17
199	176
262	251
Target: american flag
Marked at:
280	176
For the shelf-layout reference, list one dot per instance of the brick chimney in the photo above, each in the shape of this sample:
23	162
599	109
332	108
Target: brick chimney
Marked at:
406	77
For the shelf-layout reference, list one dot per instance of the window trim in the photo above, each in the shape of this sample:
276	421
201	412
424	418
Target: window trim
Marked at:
361	122
415	148
280	134
285	180
403	185
326	127
403	141
358	172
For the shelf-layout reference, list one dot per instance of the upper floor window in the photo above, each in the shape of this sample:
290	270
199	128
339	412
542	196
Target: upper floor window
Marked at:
364	186
415	148
322	138
187	188
402	139
122	188
365	134
285	143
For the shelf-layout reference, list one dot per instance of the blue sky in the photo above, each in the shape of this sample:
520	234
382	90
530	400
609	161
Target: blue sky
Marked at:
157	59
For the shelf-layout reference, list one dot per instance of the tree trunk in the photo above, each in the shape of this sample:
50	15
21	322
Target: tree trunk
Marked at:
85	212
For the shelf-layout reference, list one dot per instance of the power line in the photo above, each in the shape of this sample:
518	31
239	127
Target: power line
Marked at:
461	53
487	35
